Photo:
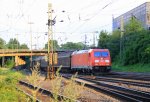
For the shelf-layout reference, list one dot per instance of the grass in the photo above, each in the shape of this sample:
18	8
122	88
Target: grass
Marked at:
8	92
132	68
10	63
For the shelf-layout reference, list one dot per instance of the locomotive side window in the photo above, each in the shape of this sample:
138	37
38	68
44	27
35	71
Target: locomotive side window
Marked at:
104	54
97	54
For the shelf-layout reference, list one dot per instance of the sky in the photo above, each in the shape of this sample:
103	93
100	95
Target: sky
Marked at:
21	18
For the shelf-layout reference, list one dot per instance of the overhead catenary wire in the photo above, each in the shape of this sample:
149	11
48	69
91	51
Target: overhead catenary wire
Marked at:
19	16
92	16
82	23
18	19
78	12
21	13
96	15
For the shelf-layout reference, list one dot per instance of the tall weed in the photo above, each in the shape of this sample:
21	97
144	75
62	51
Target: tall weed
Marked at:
34	79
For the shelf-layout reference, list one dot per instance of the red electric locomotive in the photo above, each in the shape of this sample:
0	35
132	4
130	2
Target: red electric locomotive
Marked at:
95	60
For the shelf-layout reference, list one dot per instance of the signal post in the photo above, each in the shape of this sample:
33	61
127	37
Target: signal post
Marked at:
50	68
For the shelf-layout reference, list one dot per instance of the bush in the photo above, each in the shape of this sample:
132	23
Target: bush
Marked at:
8	92
136	49
9	63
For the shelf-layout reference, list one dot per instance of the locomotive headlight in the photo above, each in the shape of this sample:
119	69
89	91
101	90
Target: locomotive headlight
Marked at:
107	61
96	60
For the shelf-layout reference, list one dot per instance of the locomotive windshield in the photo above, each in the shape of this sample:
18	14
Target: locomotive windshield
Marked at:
97	54
100	54
104	54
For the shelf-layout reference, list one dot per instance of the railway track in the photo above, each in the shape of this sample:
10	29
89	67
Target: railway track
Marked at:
45	92
124	94
122	81
134	76
121	93
27	94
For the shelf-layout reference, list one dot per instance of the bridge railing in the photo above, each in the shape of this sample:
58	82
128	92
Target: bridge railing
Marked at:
19	50
2	51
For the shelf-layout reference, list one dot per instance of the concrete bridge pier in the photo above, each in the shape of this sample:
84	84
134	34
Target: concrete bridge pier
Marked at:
19	61
3	61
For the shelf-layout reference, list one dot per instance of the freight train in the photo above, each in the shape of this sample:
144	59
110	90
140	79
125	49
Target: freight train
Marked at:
91	60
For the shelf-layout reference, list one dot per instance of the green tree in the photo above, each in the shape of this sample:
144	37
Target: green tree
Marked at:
134	25
110	41
23	46
55	45
103	39
13	44
2	43
137	48
72	46
135	41
113	44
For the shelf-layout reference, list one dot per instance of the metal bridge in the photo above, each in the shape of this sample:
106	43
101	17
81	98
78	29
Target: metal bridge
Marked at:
17	53
22	52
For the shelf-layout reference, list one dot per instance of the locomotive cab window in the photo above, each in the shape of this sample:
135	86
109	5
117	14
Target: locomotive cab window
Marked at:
104	54
100	54
97	54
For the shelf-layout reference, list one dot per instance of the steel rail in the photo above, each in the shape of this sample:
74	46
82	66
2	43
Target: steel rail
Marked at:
118	92
147	85
131	82
135	94
31	97
134	77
